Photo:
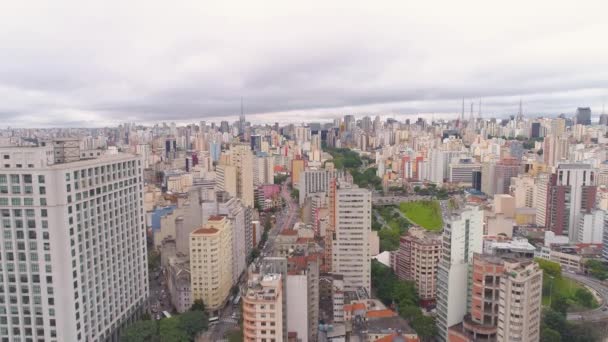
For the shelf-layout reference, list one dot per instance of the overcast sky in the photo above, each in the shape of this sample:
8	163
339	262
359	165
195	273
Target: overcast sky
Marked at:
81	63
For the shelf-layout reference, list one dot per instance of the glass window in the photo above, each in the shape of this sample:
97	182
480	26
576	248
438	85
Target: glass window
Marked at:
28	201
42	190
16	201
16	189
2	179
27	179
41	179
15	179
3	201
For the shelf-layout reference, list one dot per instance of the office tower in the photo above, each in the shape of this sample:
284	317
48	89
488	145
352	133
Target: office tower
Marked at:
170	148
256	143
239	217
211	262
302	135
314	182
591	227
226	179
366	124
572	190
74	244
480	323
349	123
302	294
519	313
224	127
523	188
604	119
488	185
461	171
350	242
535	130
462	236
583	116
417	260
242	159
476	180
440	161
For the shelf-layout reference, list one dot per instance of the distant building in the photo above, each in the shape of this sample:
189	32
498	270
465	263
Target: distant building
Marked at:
583	116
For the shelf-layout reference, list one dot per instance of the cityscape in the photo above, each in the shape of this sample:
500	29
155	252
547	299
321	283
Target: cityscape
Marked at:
303	172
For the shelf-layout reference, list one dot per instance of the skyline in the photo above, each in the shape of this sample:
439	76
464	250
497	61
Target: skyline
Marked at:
95	68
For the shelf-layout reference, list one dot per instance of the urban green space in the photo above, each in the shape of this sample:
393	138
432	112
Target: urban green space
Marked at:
392	227
183	327
402	296
561	293
426	214
344	158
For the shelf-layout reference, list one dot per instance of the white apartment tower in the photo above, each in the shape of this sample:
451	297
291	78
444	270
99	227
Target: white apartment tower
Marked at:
350	245
462	237
73	244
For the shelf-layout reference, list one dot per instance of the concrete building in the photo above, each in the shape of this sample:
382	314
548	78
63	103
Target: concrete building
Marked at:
242	159
519	311
178	283
242	227
77	228
462	236
418	259
591	227
263	170
583	116
461	171
314	181
572	191
350	243
226	179
302	293
211	262
262	308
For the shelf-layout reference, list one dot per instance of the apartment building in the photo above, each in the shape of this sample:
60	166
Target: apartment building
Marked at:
519	312
73	244
461	238
211	262
350	239
417	260
263	308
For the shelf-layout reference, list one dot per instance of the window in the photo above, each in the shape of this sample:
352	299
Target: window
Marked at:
41	179
42	190
2	179
15	179
27	179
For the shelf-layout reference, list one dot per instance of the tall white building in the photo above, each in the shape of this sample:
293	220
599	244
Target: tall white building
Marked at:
351	242
591	227
263	170
314	181
462	236
73	246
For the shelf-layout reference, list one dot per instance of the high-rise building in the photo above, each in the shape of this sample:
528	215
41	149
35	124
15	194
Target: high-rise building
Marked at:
462	237
417	260
263	308
242	159
461	171
302	294
74	245
572	190
211	262
519	311
591	227
226	179
583	116
350	239
314	181
240	222
263	170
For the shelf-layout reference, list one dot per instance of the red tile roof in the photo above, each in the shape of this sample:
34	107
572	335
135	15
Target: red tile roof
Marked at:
205	231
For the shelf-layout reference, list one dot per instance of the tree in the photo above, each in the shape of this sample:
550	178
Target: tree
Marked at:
198	305
295	194
193	322
170	330
597	269
550	335
153	260
584	297
549	267
140	331
425	327
560	304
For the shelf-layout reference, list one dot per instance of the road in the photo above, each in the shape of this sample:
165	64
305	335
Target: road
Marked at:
596	315
390	200
285	219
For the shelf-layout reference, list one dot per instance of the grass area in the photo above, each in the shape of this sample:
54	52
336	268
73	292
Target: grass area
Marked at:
426	214
576	295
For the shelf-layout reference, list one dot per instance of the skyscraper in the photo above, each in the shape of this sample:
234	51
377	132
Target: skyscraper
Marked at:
462	237
74	244
583	116
350	244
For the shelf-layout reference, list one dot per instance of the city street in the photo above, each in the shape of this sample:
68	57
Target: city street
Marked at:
595	315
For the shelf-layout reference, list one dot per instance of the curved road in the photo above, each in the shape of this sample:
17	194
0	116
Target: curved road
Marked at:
595	315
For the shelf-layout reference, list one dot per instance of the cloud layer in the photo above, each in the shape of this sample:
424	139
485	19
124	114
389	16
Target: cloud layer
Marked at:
79	64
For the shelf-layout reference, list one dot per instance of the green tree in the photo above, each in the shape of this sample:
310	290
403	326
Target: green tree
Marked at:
560	304
170	330
198	305
584	297
295	194
425	327
597	269
550	335
549	267
140	331
193	322
153	260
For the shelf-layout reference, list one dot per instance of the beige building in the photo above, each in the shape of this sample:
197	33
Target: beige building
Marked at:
519	311
350	240
211	262
226	179
242	159
263	308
